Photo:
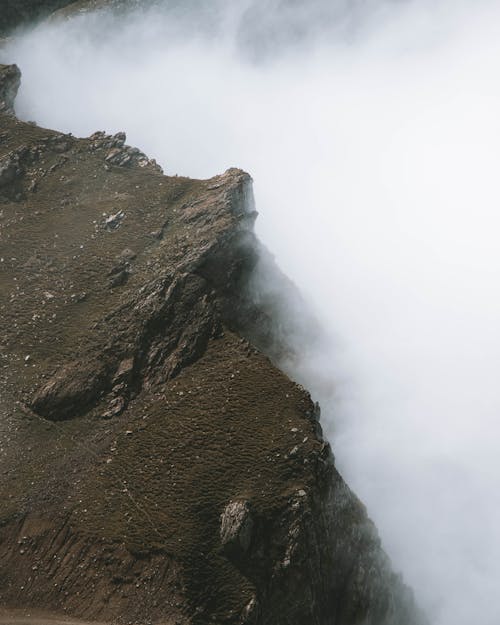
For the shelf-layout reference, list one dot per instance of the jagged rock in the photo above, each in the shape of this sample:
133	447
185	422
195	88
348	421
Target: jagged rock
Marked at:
236	526
10	79
71	390
119	154
114	221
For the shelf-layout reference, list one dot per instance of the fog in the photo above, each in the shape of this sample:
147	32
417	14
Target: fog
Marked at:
372	132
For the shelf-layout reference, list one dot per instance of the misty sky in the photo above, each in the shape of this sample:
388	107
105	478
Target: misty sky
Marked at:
372	132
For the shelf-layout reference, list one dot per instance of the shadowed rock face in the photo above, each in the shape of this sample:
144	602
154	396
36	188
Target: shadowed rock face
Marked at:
155	465
21	13
17	12
10	79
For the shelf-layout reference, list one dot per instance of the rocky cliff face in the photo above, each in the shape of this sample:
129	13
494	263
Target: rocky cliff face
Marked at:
10	79
155	465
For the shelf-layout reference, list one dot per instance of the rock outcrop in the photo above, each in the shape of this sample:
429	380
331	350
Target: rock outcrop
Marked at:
155	465
10	79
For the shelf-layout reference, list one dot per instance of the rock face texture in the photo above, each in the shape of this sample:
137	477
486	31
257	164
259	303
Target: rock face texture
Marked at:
10	79
155	465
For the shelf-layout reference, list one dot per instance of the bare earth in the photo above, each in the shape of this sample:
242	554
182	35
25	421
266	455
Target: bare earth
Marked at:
37	617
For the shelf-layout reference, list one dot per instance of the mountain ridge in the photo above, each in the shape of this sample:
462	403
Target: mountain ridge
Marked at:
157	466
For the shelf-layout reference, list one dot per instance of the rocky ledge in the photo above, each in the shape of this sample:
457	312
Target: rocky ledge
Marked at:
156	465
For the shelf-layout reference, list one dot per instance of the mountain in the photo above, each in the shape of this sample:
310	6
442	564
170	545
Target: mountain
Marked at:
156	465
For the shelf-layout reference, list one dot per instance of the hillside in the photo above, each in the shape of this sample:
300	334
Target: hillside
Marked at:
156	465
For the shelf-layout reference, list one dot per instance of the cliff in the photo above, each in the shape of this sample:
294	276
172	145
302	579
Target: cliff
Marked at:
155	465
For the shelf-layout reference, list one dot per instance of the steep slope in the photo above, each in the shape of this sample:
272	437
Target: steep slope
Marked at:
155	465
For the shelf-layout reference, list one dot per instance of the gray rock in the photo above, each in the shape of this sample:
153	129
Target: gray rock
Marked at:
114	221
10	79
236	527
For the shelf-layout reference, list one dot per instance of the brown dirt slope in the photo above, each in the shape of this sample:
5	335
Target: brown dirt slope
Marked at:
155	465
